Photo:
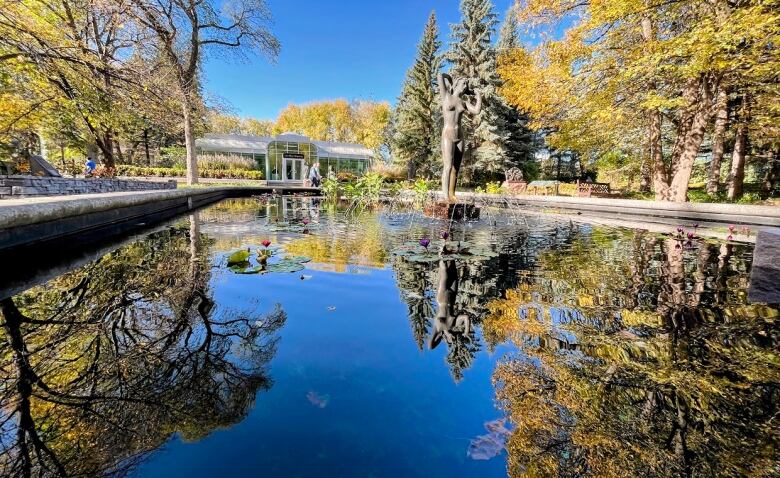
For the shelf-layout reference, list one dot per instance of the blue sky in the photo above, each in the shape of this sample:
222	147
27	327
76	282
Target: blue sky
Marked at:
331	49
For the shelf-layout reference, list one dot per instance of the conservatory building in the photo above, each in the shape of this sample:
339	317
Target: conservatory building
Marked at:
287	158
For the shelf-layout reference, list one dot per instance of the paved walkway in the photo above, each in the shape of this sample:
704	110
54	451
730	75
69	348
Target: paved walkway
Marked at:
629	209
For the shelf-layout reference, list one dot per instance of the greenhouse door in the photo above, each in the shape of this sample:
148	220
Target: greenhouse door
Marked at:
293	169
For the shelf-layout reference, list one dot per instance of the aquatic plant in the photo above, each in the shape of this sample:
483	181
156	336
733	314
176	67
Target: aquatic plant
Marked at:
265	261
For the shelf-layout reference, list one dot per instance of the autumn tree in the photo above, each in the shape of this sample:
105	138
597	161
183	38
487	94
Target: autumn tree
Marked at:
416	141
643	79
185	29
74	58
521	142
337	120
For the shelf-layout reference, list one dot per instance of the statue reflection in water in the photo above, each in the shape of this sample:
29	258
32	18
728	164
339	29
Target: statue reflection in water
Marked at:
448	324
454	327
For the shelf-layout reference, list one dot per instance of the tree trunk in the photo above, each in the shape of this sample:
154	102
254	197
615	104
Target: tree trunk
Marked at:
107	148
146	147
718	139
737	174
645	170
678	191
660	172
119	155
189	143
772	175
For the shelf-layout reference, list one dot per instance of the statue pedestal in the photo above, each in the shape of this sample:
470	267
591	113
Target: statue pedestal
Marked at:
453	211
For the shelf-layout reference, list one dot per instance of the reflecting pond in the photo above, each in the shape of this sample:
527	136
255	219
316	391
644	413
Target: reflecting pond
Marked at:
287	338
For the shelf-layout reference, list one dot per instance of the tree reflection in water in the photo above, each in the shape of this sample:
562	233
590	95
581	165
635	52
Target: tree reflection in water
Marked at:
638	358
102	365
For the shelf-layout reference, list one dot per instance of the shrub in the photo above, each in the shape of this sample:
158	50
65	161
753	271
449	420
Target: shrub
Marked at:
227	161
139	171
104	172
346	177
389	172
421	189
173	156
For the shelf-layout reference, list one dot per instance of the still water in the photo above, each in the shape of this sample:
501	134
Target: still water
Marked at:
531	346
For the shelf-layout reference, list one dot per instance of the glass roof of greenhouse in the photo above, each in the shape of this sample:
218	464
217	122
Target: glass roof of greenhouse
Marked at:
236	143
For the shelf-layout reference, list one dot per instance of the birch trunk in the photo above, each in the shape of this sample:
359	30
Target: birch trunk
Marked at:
189	143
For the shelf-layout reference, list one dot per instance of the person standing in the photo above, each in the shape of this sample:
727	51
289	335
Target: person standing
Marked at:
314	175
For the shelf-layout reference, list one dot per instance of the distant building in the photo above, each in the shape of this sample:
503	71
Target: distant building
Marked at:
287	158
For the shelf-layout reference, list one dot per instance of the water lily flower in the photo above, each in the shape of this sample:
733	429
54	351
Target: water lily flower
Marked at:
731	228
425	242
305	221
445	235
266	243
696	226
680	230
691	236
730	238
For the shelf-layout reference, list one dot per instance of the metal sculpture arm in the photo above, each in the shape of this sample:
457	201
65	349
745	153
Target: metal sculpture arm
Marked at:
474	109
445	85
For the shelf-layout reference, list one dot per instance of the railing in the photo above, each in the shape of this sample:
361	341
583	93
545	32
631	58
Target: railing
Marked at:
584	189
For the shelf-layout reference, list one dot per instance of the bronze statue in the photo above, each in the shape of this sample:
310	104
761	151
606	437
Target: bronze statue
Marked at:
448	323
453	107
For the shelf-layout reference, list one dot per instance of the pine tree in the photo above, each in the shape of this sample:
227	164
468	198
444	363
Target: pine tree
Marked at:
416	118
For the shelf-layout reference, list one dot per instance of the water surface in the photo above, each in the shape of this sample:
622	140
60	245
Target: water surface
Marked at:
546	348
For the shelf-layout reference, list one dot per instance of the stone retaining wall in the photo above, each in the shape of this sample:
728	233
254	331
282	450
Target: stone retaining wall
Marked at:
30	186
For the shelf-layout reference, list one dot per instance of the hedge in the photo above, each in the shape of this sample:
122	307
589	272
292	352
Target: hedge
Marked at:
140	171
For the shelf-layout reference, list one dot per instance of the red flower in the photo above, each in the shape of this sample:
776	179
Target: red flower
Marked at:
266	243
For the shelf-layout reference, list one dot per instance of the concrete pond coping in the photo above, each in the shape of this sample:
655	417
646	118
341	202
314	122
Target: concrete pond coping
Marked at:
29	221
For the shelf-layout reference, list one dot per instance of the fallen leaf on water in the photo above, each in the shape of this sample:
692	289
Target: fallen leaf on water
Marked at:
317	400
485	447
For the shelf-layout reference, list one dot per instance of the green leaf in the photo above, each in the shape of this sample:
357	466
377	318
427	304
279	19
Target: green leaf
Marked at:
238	257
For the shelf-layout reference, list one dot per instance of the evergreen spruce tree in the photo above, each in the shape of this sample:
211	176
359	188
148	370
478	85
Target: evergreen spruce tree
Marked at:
497	138
472	56
415	141
508	37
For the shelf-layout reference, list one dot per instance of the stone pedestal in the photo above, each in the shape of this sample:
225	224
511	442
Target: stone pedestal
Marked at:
765	277
452	211
514	187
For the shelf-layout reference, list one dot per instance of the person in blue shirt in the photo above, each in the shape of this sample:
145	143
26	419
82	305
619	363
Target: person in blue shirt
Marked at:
89	167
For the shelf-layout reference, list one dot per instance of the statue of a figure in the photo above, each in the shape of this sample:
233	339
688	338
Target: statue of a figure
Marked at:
448	323
453	107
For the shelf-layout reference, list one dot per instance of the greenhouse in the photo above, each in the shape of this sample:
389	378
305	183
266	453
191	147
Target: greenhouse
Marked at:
287	158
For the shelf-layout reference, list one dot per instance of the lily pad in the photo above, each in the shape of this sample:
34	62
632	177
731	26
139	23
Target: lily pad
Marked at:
285	266
238	257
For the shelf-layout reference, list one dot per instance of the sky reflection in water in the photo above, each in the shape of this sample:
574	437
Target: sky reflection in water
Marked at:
550	348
